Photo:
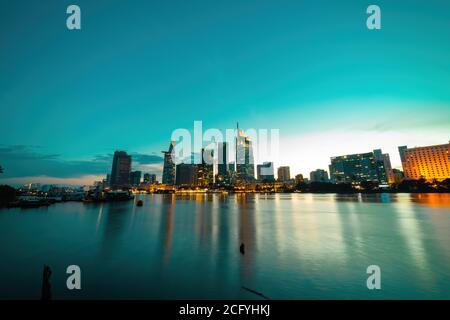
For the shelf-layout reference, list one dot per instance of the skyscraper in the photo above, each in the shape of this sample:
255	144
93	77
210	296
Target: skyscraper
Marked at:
121	168
206	168
168	176
356	168
224	174
245	166
430	162
265	171
284	174
222	166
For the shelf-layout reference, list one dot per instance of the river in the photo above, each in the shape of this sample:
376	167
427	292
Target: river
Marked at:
297	246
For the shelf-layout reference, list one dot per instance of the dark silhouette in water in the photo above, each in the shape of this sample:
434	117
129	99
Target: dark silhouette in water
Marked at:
256	292
140	203
242	248
46	286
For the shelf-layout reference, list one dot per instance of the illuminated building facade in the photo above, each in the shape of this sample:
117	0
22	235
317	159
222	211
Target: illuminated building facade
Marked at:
356	168
429	163
245	165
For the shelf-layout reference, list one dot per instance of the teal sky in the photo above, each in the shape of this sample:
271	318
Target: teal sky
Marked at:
140	69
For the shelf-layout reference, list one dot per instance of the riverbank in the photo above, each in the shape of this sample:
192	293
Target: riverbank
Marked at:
10	197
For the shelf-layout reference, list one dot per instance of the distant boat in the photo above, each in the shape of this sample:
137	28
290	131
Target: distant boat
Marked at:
140	203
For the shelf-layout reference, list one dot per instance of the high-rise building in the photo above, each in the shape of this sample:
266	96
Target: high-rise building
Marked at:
429	163
356	168
121	168
224	173
187	174
206	168
135	178
168	176
387	175
149	178
265	171
222	165
284	174
319	175
245	165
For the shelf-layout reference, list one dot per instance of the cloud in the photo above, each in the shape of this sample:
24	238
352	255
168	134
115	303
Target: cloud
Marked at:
78	181
146	158
139	158
24	152
20	161
103	157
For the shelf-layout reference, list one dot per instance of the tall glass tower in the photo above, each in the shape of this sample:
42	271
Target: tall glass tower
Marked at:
245	165
168	176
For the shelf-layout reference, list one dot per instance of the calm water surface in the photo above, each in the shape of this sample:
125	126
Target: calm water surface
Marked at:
298	246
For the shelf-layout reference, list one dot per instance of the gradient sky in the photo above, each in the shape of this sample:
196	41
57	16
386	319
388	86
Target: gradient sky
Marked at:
140	69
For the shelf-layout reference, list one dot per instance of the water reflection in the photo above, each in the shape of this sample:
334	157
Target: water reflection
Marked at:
432	200
411	227
440	200
99	217
247	233
187	246
167	225
366	197
113	221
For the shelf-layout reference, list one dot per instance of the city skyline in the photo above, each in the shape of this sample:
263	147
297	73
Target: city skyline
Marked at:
331	86
378	159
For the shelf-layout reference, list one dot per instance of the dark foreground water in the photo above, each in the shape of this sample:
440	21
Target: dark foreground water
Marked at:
298	246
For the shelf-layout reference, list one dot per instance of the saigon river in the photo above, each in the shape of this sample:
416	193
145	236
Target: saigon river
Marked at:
297	246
